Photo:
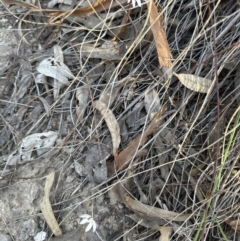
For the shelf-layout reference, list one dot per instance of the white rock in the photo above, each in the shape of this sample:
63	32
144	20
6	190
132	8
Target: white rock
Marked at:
40	236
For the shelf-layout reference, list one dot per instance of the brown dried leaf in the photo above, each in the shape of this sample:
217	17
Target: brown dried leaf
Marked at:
123	26
111	123
153	224
153	212
96	7
81	12
165	233
147	222
164	53
195	83
109	50
110	93
125	157
47	209
234	224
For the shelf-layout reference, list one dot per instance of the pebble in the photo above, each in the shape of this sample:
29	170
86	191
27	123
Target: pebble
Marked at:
40	236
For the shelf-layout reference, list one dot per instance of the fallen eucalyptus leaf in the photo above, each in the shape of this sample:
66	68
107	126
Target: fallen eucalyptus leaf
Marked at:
124	158
159	34
153	212
58	55
40	142
195	83
47	209
55	69
111	123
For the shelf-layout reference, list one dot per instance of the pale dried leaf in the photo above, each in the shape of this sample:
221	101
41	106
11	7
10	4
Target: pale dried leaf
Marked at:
40	142
47	209
165	233
78	168
146	222
110	93
40	79
195	83
152	102
108	51
153	212
111	122
13	158
46	105
55	69
82	95
164	53
58	53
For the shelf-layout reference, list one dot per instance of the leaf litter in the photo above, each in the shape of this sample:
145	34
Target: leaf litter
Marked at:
94	98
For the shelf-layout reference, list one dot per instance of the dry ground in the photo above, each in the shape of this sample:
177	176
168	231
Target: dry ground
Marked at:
113	106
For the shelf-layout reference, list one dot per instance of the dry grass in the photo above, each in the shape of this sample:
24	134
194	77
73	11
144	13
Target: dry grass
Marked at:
191	162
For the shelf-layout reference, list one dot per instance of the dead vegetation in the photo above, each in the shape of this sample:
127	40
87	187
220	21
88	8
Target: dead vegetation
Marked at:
135	110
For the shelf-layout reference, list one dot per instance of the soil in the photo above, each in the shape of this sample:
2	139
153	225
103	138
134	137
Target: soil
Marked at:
49	123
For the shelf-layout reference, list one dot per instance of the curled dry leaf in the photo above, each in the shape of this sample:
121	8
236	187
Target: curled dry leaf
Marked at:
195	83
124	158
109	51
39	142
153	212
159	34
47	209
55	69
112	124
